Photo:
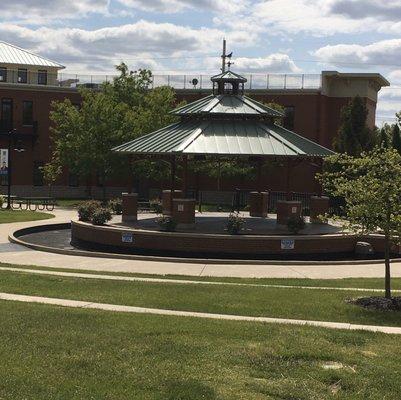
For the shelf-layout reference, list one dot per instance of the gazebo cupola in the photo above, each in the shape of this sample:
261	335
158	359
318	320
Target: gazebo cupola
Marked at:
228	83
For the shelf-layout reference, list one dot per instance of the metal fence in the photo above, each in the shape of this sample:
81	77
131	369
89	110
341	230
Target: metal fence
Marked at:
187	81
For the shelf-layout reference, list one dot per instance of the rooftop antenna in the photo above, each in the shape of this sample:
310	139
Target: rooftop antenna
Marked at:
224	56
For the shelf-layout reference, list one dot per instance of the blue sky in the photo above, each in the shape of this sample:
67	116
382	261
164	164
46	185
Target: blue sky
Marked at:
177	36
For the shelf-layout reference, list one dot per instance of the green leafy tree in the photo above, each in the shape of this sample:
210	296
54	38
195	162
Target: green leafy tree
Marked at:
371	187
277	107
396	138
354	136
121	111
384	139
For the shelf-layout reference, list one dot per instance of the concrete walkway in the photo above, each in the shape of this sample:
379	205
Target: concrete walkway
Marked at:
154	311
20	255
183	281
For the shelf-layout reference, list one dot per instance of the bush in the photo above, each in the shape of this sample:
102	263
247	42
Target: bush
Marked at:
167	223
2	200
156	206
295	224
235	223
86	210
101	216
116	205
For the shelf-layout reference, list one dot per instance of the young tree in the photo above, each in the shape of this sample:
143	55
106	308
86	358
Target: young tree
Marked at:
384	140
119	112
371	187
354	136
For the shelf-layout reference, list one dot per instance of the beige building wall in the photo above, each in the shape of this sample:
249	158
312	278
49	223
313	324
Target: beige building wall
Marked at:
32	73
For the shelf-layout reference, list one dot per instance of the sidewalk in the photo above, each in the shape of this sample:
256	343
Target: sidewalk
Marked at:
16	254
155	311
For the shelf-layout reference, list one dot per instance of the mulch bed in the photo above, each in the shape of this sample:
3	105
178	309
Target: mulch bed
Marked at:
378	303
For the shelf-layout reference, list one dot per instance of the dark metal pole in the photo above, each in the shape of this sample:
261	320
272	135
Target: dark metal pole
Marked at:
185	177
9	171
173	170
288	195
259	175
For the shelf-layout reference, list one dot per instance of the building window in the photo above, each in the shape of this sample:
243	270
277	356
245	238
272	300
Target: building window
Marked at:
289	118
37	173
6	115
42	77
27	113
3	74
22	75
73	180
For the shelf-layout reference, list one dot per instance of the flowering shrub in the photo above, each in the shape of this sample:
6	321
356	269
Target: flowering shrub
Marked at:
116	205
235	223
156	206
86	209
101	216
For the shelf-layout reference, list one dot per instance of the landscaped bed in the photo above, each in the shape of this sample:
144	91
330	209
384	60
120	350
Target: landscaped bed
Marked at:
323	305
49	352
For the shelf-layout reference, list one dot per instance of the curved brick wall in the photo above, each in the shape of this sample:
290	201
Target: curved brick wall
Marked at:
140	241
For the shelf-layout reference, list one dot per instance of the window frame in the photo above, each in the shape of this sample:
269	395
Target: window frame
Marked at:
3	73
24	121
42	73
19	76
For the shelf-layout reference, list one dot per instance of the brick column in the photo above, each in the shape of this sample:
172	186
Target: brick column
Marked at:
318	206
130	207
184	211
287	209
166	200
258	204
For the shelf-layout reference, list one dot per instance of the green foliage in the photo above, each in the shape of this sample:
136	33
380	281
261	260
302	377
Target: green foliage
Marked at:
119	112
167	223
235	223
295	224
116	205
354	136
156	206
86	210
101	215
1	201
396	138
371	187
384	139
277	107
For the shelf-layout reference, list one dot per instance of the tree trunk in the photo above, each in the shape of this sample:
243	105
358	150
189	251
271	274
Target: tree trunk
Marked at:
387	279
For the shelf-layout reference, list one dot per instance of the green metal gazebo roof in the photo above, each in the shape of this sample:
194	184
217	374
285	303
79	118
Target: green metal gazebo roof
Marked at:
227	104
228	76
224	137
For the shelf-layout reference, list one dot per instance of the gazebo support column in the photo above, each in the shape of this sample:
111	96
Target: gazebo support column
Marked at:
288	208
259	201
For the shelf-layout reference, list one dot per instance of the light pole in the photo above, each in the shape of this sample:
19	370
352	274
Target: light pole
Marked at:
9	134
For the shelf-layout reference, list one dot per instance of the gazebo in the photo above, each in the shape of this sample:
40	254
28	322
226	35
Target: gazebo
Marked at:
225	124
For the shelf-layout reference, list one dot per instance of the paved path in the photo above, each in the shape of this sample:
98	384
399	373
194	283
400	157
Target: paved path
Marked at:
183	281
15	254
155	311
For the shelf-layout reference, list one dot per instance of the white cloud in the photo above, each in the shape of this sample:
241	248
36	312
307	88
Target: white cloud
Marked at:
39	11
385	53
136	43
274	63
389	10
173	6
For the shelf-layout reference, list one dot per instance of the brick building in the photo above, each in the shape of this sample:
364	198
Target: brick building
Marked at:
29	83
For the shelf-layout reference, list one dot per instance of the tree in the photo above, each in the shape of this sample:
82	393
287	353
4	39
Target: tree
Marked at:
384	136
354	136
121	111
371	187
396	138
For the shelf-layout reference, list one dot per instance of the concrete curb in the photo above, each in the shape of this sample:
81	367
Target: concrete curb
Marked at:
14	237
227	317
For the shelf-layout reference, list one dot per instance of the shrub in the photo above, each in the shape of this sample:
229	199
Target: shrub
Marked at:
235	223
86	209
166	223
295	224
2	201
116	205
156	206
101	216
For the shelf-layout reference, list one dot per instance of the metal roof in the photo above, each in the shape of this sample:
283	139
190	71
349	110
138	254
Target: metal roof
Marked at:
227	104
228	76
10	54
224	137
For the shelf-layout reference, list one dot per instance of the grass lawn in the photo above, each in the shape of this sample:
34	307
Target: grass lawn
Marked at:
70	203
7	216
54	353
324	305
